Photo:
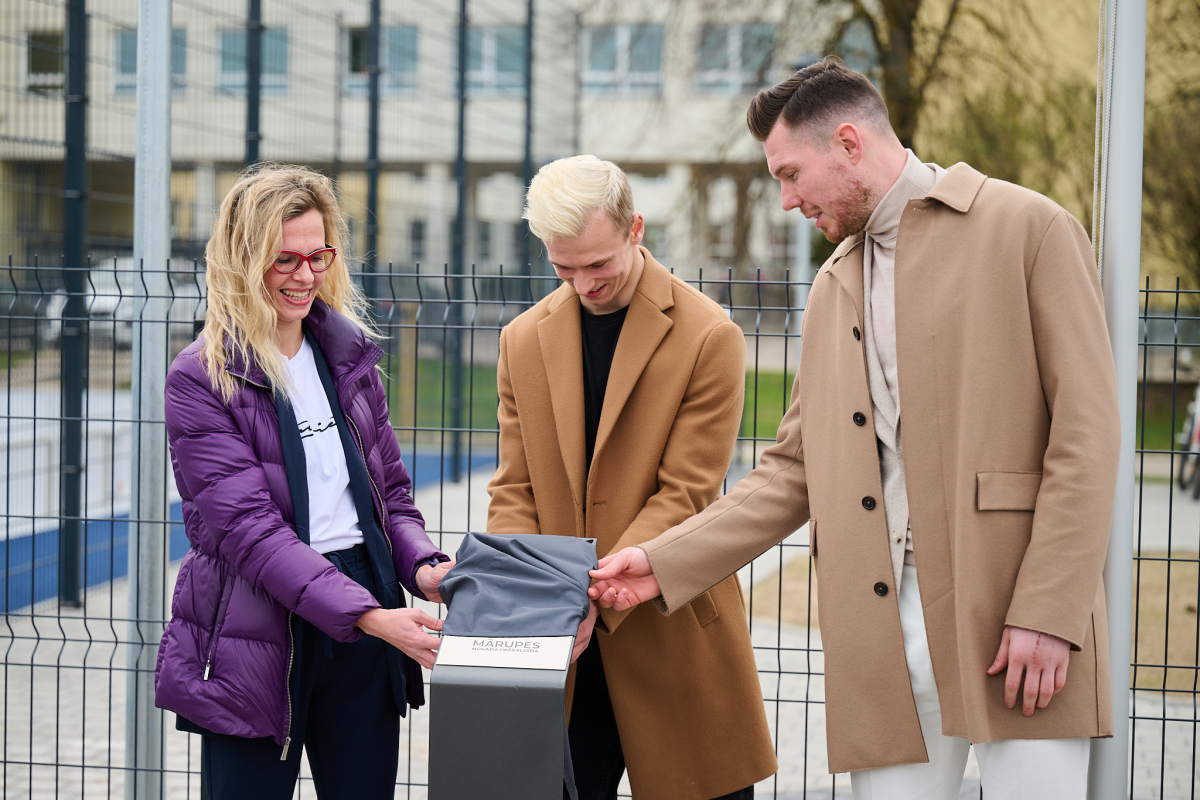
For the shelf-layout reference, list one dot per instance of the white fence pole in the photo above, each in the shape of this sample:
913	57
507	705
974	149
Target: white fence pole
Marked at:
148	485
1108	777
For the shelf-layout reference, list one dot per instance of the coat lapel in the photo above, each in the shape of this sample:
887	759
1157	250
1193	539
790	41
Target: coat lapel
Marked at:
846	267
561	342
644	329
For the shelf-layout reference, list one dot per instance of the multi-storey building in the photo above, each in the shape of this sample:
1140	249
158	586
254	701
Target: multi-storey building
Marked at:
660	88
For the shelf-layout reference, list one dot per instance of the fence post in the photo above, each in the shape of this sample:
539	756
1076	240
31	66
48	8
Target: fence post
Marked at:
526	265
73	355
458	254
254	38
1108	778
148	464
371	282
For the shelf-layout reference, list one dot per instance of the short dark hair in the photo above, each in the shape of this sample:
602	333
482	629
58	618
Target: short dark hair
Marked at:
815	97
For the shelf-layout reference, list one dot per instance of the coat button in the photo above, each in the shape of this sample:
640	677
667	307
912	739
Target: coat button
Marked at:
860	418
869	503
881	589
857	335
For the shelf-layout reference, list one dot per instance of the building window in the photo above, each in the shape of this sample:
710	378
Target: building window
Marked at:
623	59
783	238
734	58
655	240
416	239
485	242
720	247
126	61
496	60
397	60
857	48
232	61
44	62
520	231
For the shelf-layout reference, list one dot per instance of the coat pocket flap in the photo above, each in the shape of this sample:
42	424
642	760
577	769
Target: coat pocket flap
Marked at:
1007	491
704	608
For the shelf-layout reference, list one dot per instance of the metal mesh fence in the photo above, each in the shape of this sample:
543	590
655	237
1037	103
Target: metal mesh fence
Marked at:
65	669
66	665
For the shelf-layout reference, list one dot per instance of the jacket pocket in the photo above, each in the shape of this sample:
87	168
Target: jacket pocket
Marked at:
704	608
1007	491
218	624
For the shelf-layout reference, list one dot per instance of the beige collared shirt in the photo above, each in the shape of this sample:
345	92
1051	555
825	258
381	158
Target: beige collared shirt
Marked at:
879	320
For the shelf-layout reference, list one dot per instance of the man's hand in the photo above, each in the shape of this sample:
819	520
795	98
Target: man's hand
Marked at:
428	579
1042	657
624	579
584	634
404	628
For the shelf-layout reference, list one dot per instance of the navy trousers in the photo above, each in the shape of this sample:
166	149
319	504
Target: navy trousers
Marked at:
595	743
344	717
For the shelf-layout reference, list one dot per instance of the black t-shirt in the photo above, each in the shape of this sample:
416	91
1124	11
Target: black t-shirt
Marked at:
600	335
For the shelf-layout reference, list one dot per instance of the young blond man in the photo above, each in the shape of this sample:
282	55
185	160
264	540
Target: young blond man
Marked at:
620	402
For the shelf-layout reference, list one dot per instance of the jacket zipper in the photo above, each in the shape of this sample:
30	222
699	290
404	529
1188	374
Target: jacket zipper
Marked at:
374	489
287	683
287	690
218	625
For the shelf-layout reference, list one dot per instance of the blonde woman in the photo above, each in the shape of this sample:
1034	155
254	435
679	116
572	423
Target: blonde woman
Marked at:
288	627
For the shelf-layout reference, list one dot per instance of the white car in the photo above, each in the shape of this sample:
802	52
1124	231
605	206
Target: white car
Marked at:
114	295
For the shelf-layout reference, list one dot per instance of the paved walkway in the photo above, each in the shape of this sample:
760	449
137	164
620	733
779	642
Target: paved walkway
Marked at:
63	688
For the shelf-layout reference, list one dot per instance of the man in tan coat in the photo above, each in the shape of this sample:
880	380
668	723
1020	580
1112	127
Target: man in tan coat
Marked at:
954	416
620	402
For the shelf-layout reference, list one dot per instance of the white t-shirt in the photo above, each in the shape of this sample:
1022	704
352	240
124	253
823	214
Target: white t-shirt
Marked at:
332	518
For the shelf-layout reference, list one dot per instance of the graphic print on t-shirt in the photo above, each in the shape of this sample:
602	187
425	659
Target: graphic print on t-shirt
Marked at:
307	430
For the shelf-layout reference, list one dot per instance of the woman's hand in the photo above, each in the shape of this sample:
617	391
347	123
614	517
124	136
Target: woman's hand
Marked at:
428	579
404	628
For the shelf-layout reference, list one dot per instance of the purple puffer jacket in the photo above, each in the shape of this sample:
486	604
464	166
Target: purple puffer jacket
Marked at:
225	655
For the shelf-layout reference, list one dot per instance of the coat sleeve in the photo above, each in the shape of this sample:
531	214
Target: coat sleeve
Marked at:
217	467
1073	512
699	446
512	509
763	509
406	526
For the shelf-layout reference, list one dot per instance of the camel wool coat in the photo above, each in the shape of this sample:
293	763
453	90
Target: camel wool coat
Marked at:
1009	412
684	689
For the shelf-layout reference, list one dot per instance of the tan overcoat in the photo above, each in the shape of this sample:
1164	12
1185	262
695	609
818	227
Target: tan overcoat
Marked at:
684	689
1008	402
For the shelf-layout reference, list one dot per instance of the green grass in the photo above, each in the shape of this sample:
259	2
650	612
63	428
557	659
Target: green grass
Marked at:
432	391
479	398
1161	418
767	395
766	401
18	358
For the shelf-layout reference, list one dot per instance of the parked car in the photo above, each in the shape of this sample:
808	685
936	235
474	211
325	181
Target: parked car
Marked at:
113	299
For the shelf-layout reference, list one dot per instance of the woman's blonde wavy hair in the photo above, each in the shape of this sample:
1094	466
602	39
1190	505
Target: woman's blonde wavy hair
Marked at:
247	233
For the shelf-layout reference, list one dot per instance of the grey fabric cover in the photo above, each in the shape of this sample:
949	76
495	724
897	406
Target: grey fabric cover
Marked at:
518	585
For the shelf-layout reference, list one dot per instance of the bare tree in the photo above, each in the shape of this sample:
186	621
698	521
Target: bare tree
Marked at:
1171	192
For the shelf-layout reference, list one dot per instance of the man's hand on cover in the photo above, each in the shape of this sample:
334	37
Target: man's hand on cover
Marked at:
584	634
624	579
404	629
1042	657
429	577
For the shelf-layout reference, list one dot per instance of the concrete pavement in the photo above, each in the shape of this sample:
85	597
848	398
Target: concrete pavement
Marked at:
62	699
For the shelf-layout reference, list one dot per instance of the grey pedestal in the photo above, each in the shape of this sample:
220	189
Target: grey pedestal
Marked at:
496	733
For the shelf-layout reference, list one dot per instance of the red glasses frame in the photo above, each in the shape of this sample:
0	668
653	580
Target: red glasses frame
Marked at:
303	258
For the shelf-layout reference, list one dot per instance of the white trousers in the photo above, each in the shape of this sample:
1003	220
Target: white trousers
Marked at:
1009	769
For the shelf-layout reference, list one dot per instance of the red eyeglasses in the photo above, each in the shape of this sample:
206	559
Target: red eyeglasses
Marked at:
288	261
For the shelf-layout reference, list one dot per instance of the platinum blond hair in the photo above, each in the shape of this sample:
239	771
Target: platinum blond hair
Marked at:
565	194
